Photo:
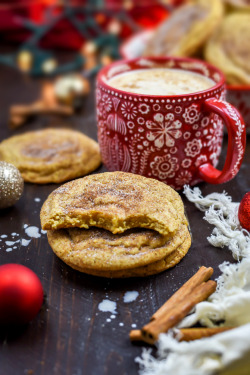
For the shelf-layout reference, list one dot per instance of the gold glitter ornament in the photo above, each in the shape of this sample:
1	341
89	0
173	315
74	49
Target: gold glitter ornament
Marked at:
11	184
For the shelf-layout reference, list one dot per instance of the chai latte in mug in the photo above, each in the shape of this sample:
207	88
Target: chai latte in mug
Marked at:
161	81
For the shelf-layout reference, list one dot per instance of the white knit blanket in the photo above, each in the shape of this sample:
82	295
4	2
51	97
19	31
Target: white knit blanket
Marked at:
228	306
221	212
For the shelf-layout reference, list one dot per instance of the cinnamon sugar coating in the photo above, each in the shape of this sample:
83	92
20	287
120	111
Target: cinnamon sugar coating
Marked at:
51	155
102	250
170	260
116	224
115	201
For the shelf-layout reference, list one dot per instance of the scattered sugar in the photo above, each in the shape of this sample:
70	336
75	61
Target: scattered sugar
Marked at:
133	325
32	232
11	243
121	324
112	316
108	320
37	200
25	242
107	305
130	296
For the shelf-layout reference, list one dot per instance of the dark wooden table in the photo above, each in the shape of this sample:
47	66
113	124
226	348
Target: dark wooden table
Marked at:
71	336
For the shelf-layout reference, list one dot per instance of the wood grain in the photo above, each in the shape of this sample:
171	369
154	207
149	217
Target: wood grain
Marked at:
71	336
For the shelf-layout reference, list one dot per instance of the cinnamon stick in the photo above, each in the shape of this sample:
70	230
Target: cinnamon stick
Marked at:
175	314
40	107
20	113
135	335
190	334
202	275
184	334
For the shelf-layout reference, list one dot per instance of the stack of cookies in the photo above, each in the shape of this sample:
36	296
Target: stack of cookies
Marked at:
116	224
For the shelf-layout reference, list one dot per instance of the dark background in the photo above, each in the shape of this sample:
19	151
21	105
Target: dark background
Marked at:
71	336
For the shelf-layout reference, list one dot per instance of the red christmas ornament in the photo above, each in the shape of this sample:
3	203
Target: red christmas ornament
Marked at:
21	294
244	212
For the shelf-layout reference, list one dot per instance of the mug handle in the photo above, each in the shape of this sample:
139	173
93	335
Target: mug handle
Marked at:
236	142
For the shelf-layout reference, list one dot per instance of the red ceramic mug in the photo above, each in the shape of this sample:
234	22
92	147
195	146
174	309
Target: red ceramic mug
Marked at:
175	139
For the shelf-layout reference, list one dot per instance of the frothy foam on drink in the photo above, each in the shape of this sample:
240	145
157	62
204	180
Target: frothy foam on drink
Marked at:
161	81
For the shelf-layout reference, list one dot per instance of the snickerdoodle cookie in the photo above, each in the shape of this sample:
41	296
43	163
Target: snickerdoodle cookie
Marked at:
84	260
186	29
116	224
229	48
51	155
150	269
104	251
243	5
115	201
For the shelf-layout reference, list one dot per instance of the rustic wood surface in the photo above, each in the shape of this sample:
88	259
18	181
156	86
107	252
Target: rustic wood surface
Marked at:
71	336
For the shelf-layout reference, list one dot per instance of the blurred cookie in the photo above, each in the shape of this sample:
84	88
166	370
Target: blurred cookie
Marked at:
150	269
229	48
238	4
51	155
186	29
115	201
100	250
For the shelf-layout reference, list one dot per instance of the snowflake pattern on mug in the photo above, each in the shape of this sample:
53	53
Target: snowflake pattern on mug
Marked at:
202	159
186	163
105	105
166	138
191	114
144	108
129	111
193	147
183	178
158	130
164	166
163	130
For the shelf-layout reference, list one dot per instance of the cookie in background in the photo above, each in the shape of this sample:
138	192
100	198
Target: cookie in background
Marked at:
186	30
51	155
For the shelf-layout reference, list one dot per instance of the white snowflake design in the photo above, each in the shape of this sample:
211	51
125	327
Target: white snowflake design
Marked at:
213	158
143	108
193	147
105	105
205	121
163	130
140	120
178	109
156	107
164	166
202	159
214	138
129	110
191	114
183	178
186	135
186	163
